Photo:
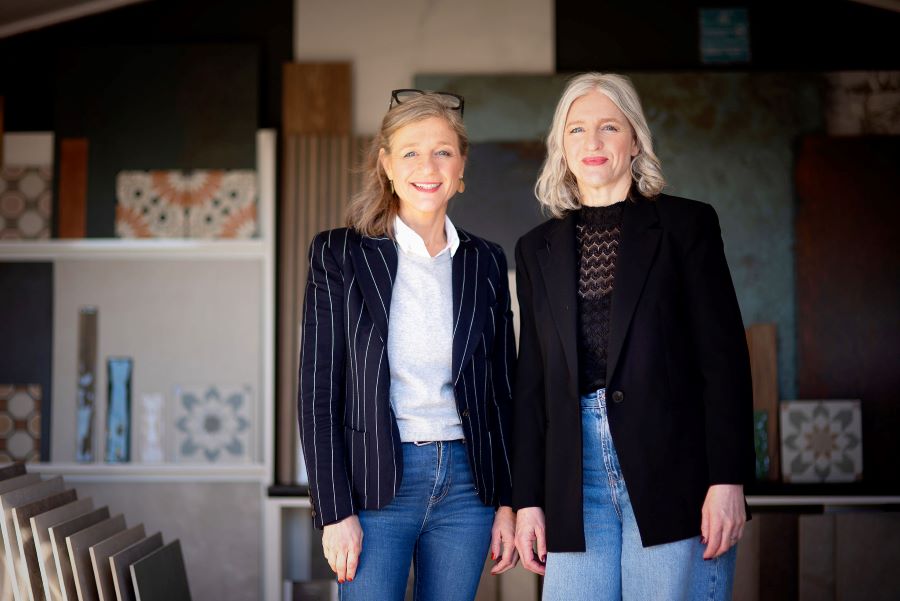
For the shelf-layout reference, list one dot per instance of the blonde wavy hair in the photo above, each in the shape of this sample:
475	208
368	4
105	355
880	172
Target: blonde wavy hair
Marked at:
372	210
556	188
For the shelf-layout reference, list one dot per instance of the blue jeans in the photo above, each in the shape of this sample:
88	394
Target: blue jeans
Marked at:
436	522
615	564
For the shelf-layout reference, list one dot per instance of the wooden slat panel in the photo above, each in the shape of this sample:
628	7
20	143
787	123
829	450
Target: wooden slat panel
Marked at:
73	165
761	341
319	181
316	99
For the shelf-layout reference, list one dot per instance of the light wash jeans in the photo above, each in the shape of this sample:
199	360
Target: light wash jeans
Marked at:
615	565
436	521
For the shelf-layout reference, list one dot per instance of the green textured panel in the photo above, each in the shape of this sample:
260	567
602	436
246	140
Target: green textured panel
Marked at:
724	138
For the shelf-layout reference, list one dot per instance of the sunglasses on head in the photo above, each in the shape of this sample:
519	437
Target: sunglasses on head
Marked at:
451	101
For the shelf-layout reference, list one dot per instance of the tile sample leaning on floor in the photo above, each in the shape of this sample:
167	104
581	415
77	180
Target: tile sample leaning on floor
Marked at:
79	545
27	548
161	575
102	551
8	501
120	565
40	529
9	482
58	535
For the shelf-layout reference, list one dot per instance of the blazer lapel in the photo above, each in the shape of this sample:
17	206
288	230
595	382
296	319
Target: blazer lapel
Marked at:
469	300
558	268
637	249
375	266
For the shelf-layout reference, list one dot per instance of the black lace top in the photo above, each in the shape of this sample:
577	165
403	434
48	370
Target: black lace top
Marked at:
597	235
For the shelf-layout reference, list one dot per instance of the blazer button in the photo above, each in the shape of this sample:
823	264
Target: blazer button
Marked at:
618	396
465	413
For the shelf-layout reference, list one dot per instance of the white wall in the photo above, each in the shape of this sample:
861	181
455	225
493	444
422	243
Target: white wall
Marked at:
390	41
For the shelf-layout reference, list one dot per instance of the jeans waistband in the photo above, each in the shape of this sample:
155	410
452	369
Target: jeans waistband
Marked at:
594	400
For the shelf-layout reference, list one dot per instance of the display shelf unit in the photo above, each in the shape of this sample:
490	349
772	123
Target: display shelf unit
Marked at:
145	472
250	266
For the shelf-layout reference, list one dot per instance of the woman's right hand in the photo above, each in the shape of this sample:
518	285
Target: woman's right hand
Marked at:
342	543
530	534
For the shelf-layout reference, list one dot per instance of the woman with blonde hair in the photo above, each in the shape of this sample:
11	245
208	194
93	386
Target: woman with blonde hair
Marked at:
406	361
631	336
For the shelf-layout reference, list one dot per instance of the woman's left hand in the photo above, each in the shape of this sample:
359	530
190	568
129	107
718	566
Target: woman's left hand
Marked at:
503	541
724	517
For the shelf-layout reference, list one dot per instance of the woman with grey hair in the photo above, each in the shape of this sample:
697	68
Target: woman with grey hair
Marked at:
632	405
406	366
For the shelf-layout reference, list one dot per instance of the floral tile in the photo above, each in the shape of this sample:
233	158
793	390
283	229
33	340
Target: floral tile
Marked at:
821	441
196	204
25	202
212	424
20	422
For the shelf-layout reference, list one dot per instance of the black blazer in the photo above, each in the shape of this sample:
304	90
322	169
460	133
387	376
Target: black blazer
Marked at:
349	434
678	376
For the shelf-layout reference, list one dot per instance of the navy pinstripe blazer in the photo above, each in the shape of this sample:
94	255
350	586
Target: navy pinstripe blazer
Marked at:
350	438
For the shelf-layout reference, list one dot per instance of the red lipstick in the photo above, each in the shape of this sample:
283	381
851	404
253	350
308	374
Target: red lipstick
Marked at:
593	161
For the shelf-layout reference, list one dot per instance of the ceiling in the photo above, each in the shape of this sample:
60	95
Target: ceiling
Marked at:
18	16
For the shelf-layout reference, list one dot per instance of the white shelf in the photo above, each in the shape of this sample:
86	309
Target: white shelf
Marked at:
828	501
146	472
114	248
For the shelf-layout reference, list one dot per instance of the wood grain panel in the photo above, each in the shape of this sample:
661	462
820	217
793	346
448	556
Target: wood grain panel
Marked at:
317	99
73	166
761	341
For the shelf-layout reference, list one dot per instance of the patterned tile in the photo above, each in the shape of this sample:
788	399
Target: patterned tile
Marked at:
821	441
20	422
176	204
151	428
25	202
212	424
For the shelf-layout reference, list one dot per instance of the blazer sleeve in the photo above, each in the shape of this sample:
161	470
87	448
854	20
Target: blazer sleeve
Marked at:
721	345
503	371
321	392
529	427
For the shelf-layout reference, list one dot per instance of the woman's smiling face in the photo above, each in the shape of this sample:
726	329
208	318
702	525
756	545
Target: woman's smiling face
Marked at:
599	143
425	164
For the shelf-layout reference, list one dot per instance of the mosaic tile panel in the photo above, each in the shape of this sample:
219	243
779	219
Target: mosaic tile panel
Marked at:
178	204
20	422
25	202
821	441
212	424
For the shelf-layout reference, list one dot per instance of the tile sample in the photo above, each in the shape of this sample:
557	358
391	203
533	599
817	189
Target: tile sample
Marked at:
87	378
11	483
20	422
73	177
151	428
118	414
212	424
25	202
120	564
40	530
61	559
79	544
821	441
762	347
194	204
27	548
160	576
102	551
9	501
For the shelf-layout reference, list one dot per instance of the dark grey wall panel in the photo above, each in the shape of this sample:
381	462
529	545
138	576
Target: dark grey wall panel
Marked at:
26	332
156	107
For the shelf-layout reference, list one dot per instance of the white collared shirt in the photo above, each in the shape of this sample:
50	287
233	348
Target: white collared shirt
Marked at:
420	339
410	242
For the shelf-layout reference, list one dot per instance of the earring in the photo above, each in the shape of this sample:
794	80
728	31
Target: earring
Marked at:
390	181
462	186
